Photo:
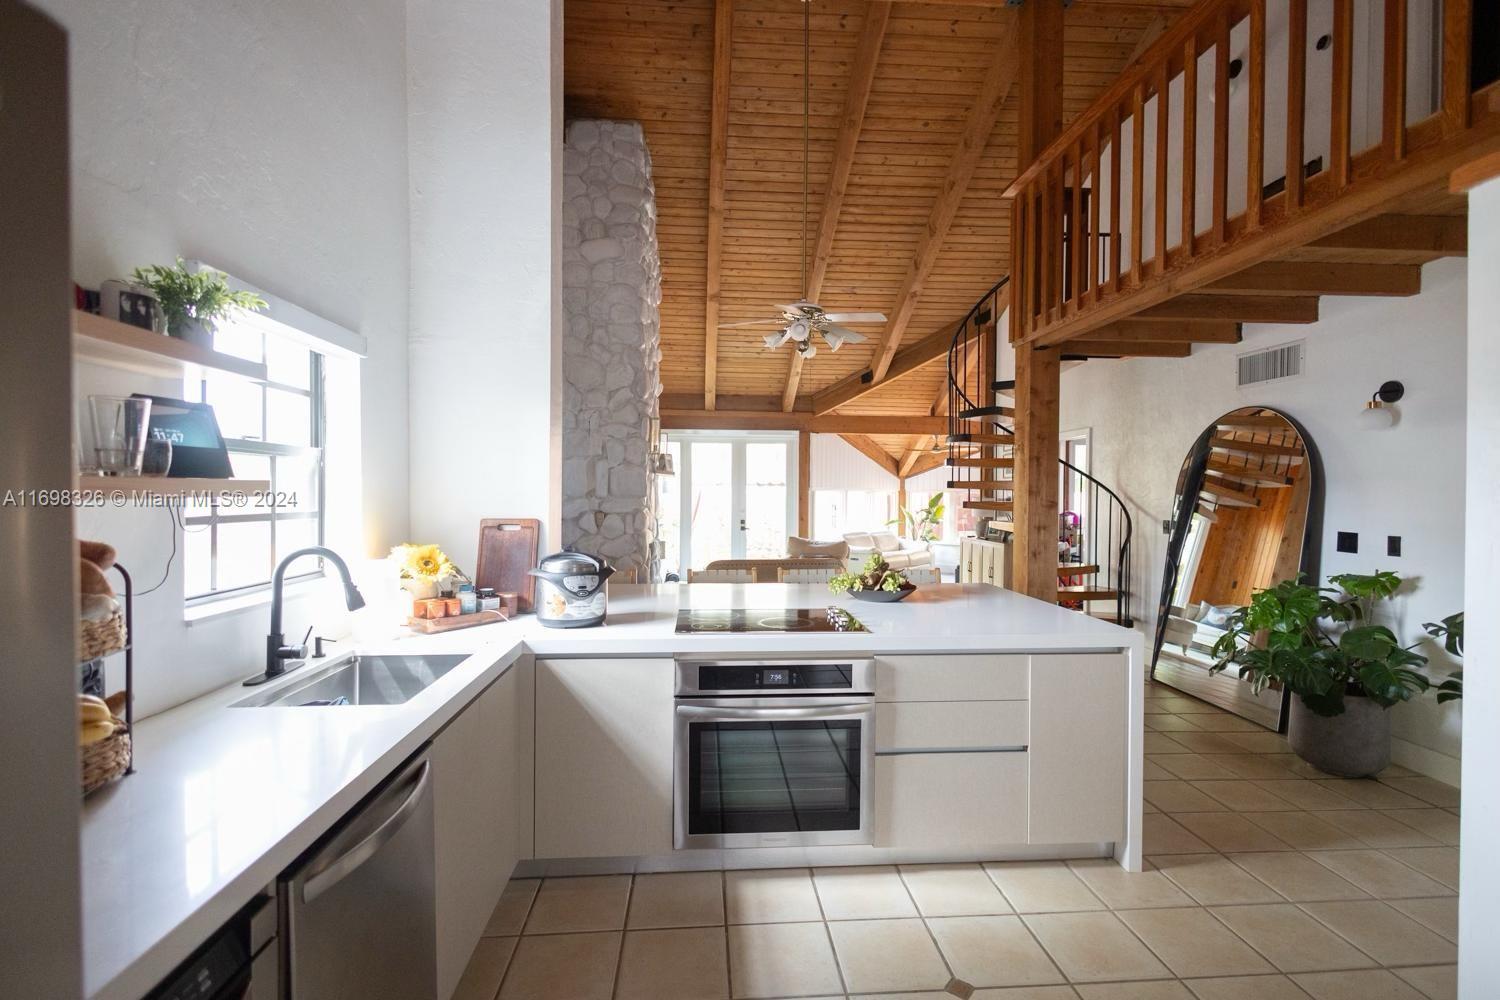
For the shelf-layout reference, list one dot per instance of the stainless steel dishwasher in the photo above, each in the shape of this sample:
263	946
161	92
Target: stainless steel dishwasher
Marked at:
357	911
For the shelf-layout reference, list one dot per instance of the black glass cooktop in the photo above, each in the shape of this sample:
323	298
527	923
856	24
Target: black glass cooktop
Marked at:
697	621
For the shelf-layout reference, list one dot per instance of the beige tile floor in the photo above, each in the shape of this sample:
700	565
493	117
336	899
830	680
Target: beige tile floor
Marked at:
1267	880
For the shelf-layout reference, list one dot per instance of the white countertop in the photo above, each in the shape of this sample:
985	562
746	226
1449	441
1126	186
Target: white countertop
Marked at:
226	798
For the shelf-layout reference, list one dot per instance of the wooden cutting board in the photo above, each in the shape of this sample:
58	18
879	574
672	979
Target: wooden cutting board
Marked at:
507	553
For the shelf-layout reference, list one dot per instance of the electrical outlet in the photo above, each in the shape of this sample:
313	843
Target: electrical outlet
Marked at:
1393	545
1348	541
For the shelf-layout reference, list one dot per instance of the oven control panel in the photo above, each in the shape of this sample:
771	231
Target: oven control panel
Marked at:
760	677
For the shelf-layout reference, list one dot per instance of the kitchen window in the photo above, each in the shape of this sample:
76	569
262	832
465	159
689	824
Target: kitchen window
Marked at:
275	431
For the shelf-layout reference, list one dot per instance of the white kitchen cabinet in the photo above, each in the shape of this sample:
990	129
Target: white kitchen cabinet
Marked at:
480	775
953	677
1078	748
934	800
603	757
950	725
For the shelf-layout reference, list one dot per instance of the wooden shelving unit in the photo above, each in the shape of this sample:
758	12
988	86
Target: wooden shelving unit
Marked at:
163	487
120	345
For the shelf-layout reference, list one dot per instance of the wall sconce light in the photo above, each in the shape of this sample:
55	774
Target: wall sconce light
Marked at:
1380	411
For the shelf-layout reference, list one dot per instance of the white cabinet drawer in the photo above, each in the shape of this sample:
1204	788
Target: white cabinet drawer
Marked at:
950	725
930	800
967	677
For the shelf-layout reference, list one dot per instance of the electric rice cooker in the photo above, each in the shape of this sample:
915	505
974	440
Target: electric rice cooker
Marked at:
571	591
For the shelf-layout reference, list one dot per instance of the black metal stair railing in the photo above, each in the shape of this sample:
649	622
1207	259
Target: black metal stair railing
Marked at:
981	456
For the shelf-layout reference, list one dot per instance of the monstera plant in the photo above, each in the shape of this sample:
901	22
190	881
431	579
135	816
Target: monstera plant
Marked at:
1320	643
1323	645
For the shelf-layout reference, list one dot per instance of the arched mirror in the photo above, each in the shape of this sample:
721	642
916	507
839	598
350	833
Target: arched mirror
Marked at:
1247	515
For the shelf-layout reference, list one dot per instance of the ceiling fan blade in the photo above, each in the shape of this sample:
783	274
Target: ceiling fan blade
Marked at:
845	334
791	309
753	322
864	317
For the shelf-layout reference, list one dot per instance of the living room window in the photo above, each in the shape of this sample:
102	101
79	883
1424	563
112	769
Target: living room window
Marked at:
838	512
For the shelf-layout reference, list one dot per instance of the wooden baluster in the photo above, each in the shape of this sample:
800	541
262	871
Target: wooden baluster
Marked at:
1255	179
1163	119
1393	98
1044	258
1059	188
1116	171
1137	180
1020	283
1033	255
1221	127
1296	100
1076	229
1189	143
1458	17
1092	271
1343	90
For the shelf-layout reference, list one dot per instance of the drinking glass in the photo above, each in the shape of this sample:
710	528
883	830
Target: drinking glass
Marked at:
119	433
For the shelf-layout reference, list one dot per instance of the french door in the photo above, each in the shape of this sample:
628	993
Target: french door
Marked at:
738	497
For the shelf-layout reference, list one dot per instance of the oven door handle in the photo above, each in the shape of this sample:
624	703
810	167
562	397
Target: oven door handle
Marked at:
769	714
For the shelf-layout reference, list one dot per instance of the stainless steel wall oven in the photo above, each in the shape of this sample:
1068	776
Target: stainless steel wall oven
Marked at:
774	753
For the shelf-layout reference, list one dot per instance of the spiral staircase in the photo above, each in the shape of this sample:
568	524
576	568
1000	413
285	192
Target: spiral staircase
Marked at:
1093	569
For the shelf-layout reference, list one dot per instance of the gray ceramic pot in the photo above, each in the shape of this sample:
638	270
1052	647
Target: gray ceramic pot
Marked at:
194	332
1353	745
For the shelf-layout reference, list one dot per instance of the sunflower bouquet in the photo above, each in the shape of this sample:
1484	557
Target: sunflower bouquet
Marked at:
426	563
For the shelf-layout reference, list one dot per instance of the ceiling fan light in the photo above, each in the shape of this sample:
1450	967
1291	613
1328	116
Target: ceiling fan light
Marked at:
775	340
800	330
834	339
807	349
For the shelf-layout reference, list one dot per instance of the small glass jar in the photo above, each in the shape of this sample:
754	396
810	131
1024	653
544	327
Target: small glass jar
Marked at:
468	601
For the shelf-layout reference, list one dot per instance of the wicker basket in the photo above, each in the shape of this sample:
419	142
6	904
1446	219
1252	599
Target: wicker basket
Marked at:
107	759
102	637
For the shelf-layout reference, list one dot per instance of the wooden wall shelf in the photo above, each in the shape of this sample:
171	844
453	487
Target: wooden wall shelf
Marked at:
162	487
120	345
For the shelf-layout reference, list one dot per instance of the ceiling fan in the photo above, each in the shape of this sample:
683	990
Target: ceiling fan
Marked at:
804	318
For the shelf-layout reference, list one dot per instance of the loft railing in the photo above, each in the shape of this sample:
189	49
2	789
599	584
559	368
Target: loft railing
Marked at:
1241	130
1100	536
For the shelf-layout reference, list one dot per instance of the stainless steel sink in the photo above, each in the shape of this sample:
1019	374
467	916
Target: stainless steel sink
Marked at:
363	680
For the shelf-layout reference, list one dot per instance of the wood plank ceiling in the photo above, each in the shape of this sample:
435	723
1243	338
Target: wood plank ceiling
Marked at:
653	61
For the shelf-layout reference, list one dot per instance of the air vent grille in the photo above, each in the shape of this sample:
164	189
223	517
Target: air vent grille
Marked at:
1271	364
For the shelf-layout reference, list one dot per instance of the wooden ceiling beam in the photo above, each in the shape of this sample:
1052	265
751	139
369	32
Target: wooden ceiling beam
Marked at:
868	448
931	348
1090	348
925	462
1313	278
1166	331
775	420
856	99
718	153
1445	235
978	127
1237	308
922	446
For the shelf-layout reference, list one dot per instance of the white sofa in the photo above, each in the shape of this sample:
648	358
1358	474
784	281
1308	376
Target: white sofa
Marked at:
897	552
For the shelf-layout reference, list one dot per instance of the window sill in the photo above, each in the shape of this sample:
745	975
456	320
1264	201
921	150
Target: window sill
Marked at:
261	599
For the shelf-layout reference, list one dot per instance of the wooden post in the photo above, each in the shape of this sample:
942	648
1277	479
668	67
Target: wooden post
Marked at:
1034	553
804	484
901	508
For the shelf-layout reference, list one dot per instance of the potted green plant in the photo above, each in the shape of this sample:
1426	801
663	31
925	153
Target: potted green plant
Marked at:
194	302
923	523
1321	645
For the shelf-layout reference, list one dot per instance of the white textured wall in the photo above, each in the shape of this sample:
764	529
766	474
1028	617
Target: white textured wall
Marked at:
267	138
1479	876
485	125
1406	480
